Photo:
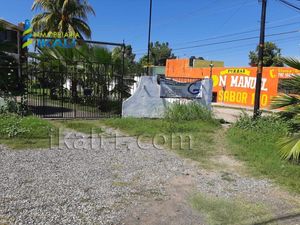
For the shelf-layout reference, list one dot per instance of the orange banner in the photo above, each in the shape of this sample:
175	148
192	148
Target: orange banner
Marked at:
237	86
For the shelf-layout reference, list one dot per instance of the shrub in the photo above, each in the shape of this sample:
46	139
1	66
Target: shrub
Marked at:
264	124
188	112
12	125
10	105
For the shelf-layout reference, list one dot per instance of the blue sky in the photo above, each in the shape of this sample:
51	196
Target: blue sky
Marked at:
181	22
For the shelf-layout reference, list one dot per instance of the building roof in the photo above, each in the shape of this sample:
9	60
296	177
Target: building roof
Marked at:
11	26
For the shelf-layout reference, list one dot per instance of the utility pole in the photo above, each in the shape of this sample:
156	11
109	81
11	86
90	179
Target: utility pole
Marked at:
149	38
260	59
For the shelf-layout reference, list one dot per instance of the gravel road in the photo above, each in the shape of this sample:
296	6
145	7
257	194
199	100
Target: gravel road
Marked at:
118	183
81	186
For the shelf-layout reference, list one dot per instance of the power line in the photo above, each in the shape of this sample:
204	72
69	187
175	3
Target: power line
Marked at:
232	15
238	33
226	35
236	40
189	14
140	52
290	4
229	49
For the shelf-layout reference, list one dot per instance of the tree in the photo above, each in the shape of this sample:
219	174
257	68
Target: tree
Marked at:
132	68
63	16
290	103
272	56
159	53
129	56
10	82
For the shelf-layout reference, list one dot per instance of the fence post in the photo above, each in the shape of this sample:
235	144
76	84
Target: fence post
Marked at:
123	70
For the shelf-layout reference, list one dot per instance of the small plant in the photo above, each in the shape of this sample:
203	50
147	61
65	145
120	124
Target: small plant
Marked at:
10	126
15	130
13	125
270	123
10	105
188	112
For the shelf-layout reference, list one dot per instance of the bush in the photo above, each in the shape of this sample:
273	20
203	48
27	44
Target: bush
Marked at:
10	105
12	125
188	112
263	124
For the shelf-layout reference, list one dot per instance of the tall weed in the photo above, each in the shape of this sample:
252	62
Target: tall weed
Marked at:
188	112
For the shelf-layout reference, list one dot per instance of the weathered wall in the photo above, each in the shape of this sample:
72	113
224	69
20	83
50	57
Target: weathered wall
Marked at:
146	101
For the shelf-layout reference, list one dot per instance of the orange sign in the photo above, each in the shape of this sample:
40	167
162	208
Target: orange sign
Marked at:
237	86
285	73
233	85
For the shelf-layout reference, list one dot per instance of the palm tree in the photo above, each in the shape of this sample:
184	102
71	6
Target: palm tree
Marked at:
63	16
290	103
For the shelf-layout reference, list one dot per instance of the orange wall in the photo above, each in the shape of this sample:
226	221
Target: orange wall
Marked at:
234	86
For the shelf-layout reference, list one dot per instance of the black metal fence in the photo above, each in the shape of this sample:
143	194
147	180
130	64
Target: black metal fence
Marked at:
184	79
58	89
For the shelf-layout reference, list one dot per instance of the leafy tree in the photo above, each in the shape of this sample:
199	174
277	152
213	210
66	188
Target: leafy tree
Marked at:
10	81
159	53
132	68
129	55
290	103
272	55
63	16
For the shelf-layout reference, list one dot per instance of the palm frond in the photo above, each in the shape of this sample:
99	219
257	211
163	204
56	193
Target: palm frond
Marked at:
290	148
284	100
82	27
292	84
62	15
42	5
294	63
290	103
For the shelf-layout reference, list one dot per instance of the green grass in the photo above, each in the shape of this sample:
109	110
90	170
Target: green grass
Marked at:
28	132
201	133
228	212
188	112
256	144
83	126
